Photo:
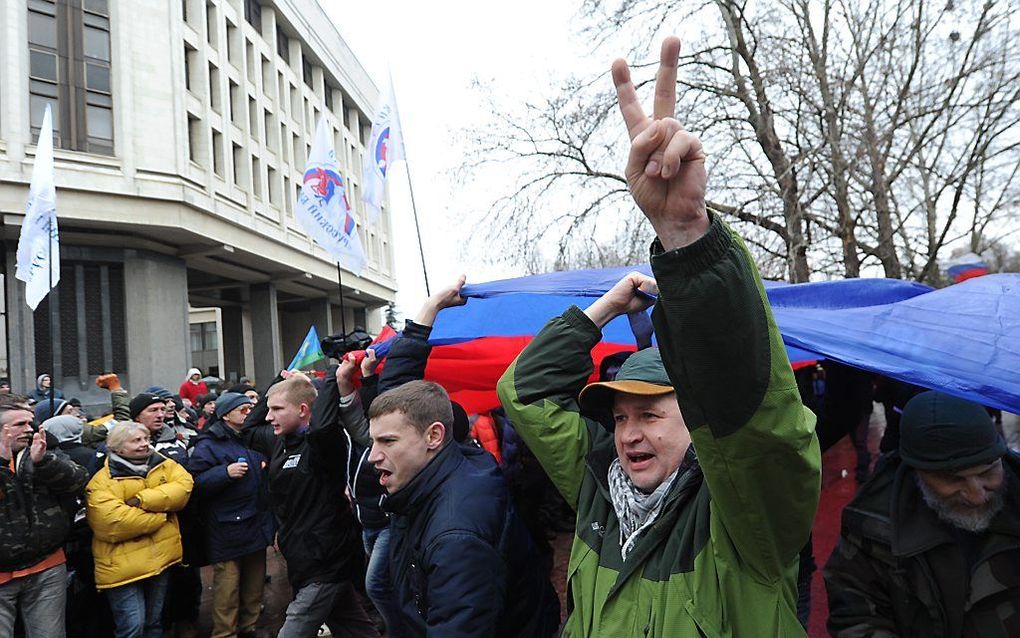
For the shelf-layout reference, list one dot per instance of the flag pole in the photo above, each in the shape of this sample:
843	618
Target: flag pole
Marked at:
417	228
49	324
343	309
410	188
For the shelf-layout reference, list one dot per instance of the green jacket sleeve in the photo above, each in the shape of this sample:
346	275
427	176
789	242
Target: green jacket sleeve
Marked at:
755	440
120	402
539	393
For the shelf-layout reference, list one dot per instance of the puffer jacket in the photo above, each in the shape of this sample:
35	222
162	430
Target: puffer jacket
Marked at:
33	521
133	543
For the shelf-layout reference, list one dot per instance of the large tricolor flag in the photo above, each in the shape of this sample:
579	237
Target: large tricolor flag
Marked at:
385	147
39	245
322	207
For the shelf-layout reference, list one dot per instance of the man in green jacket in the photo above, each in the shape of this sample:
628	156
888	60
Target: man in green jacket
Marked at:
692	512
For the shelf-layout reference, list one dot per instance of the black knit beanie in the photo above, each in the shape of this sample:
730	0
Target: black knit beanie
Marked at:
142	401
943	433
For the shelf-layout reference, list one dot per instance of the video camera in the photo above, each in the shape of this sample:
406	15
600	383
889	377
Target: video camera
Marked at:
336	346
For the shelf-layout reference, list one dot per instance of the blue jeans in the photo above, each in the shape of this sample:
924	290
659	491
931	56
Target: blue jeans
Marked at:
377	577
40	599
137	607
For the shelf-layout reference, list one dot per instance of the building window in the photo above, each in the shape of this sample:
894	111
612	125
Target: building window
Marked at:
239	166
253	117
328	95
195	146
233	45
250	48
236	105
295	104
306	70
215	99
274	187
253	14
267	120
203	337
46	65
80	94
268	86
217	152
256	177
88	303
191	81
210	25
282	44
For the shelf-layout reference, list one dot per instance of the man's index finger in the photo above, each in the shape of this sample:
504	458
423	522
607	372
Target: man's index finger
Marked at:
630	107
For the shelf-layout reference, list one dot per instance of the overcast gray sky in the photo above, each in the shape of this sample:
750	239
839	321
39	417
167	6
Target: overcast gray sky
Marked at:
435	51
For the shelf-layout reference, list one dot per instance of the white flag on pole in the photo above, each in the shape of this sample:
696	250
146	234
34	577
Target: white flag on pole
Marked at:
385	148
39	245
322	207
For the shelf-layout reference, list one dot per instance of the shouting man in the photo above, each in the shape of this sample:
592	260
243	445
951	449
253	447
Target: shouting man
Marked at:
692	511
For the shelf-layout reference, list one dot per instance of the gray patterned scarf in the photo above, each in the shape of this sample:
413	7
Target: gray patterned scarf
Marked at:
636	510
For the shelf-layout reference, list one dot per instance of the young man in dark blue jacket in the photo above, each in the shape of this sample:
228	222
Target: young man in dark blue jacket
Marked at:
232	491
461	562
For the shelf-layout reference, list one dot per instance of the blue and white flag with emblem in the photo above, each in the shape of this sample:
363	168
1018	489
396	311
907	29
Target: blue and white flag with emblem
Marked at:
322	207
39	245
385	148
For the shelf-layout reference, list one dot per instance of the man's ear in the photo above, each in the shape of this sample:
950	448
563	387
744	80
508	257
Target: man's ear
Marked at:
435	435
305	411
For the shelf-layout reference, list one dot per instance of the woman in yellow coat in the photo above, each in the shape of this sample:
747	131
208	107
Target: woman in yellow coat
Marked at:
131	505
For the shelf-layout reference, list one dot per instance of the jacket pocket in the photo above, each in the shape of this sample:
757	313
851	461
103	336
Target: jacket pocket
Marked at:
235	515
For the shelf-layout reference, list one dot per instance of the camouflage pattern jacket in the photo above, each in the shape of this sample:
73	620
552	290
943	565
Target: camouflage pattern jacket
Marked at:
33	519
898	570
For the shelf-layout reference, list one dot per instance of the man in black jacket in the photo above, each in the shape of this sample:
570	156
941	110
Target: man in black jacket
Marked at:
930	546
461	562
307	447
33	523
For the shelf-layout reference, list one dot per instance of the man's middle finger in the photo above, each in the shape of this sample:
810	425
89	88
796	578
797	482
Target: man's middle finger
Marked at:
665	79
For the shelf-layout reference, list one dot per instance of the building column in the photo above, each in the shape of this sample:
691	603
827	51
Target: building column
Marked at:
156	316
321	316
232	345
20	329
265	333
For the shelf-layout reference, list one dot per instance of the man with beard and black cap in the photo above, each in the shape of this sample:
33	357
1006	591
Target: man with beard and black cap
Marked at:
931	544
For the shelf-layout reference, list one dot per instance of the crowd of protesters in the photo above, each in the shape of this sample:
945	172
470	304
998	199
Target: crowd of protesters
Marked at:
690	473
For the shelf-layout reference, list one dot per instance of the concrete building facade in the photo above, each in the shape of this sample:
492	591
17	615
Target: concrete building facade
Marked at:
181	134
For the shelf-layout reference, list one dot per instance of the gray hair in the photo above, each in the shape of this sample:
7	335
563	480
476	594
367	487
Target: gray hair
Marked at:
121	431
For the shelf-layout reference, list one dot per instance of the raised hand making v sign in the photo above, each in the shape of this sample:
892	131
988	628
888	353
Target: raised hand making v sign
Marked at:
666	166
658	523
